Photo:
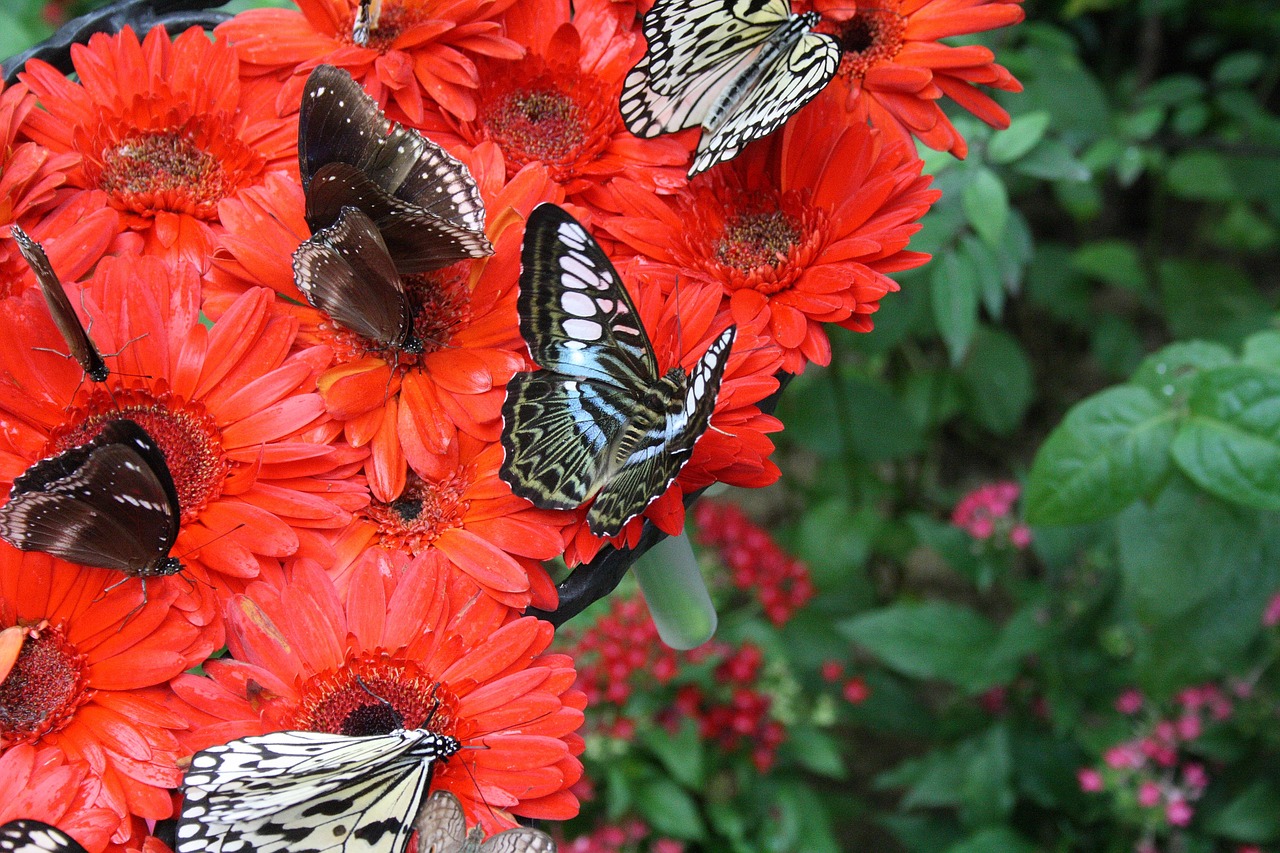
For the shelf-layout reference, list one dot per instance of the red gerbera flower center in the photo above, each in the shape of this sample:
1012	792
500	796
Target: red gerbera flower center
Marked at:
757	239
870	37
47	684
187	169
374	696
536	112
186	433
423	511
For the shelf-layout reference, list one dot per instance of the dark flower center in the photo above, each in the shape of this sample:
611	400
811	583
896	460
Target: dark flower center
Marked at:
47	684
869	38
424	510
752	240
541	124
374	696
146	172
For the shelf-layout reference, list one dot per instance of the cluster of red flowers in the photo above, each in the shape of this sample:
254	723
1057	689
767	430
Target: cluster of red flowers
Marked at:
757	563
986	514
622	838
343	529
736	712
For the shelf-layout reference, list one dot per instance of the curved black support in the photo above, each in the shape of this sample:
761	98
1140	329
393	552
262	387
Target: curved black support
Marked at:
141	15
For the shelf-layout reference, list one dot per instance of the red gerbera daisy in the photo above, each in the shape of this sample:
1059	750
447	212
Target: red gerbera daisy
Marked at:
93	684
443	657
895	69
559	105
798	231
229	406
164	129
42	784
416	49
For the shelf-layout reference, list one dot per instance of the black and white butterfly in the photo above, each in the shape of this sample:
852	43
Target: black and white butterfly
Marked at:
33	836
308	792
109	503
597	420
739	68
64	316
442	828
424	202
345	271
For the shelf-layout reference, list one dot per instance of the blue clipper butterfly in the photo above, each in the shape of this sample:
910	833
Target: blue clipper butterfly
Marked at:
34	836
424	202
64	316
597	420
442	828
739	68
109	503
308	792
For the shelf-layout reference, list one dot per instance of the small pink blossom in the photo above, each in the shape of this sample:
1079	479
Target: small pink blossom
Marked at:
1130	702
1178	813
1090	780
1148	794
1194	777
1189	727
1123	757
1020	536
1271	616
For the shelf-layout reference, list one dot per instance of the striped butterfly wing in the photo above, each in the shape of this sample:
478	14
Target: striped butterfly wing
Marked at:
597	419
442	828
308	792
109	503
424	201
64	316
33	836
345	271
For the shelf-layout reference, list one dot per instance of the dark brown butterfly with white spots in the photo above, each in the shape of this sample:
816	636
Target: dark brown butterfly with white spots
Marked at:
109	503
424	202
34	836
64	316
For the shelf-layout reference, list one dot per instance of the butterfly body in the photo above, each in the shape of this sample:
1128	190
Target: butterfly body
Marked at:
109	503
64	316
308	792
33	836
598	420
738	68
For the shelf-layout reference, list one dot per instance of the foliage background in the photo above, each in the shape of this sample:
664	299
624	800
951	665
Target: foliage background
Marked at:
1098	323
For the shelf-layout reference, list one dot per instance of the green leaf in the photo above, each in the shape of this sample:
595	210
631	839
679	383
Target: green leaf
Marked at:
1052	160
1109	451
680	753
997	839
1201	175
987	791
1239	69
1263	350
1170	373
1230	445
672	585
932	639
986	205
1252	816
953	290
816	751
1173	89
997	377
1210	299
1115	262
1023	134
669	809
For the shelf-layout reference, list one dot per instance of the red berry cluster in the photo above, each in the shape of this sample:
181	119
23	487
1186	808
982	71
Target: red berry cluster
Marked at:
855	689
744	717
757	564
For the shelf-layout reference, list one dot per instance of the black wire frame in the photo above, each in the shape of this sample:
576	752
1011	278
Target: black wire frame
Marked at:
587	583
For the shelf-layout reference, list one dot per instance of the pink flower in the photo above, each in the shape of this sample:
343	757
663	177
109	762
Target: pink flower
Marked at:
1148	794
1194	777
1178	813
1130	702
1020	536
1271	616
1189	727
1123	756
1090	780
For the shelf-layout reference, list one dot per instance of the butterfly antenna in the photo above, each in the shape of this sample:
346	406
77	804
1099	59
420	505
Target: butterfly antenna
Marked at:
366	689
221	535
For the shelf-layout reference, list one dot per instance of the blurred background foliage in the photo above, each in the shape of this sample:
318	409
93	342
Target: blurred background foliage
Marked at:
902	663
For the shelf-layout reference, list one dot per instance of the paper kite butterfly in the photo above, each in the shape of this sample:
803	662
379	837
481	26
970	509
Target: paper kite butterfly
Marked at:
33	836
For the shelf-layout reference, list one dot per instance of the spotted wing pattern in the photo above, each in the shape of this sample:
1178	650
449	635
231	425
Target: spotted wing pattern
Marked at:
739	68
425	202
64	316
442	828
33	836
597	420
308	792
109	503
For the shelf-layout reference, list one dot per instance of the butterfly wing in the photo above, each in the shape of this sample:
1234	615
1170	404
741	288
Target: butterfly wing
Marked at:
311	792
696	49
575	313
345	271
109	503
64	316
665	444
416	240
787	80
33	836
441	825
520	839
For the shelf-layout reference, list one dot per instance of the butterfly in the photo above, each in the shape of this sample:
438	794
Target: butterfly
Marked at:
64	316
740	68
442	828
109	503
308	792
33	836
598	419
424	202
345	271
